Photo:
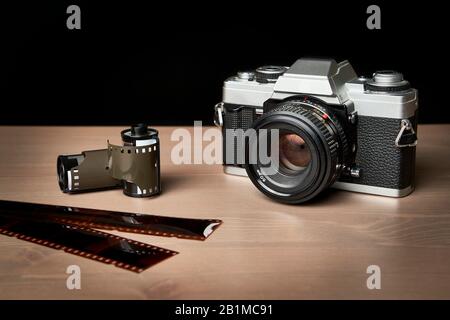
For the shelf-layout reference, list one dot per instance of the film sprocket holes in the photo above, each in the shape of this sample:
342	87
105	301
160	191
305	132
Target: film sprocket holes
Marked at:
134	166
334	128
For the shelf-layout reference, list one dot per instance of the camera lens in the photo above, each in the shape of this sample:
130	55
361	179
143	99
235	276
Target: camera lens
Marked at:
311	148
294	153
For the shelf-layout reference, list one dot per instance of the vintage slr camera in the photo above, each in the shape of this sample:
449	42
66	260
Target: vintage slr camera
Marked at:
334	128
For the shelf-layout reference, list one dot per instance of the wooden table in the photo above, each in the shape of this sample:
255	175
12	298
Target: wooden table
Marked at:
264	250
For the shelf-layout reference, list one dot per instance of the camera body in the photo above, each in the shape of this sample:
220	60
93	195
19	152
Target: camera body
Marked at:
372	122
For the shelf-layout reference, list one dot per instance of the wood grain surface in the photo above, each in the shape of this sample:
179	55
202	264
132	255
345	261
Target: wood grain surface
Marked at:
264	250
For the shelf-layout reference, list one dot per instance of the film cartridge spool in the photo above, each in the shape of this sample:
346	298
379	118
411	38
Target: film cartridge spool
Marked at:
135	166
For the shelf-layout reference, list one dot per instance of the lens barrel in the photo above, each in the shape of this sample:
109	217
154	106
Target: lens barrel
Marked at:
312	147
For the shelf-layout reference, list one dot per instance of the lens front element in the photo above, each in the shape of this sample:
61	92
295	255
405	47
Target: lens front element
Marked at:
294	152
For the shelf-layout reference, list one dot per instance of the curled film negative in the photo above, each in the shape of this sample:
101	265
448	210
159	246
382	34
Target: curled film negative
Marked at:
185	228
85	242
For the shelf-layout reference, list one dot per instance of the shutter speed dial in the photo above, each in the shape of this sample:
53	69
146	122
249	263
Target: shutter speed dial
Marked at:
387	81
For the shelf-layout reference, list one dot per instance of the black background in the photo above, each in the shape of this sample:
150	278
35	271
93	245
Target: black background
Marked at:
288	309
165	64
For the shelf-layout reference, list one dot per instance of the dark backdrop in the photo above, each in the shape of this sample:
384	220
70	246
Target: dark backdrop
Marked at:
165	64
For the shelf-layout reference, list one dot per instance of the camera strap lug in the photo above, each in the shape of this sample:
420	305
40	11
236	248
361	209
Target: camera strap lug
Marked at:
407	136
218	114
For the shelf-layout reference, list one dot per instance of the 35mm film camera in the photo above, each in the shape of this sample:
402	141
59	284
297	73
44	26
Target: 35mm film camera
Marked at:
335	129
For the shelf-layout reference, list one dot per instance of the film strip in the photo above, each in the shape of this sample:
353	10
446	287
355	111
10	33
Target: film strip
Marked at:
71	229
85	242
184	228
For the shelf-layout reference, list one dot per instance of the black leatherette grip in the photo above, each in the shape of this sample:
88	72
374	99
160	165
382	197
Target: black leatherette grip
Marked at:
383	164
